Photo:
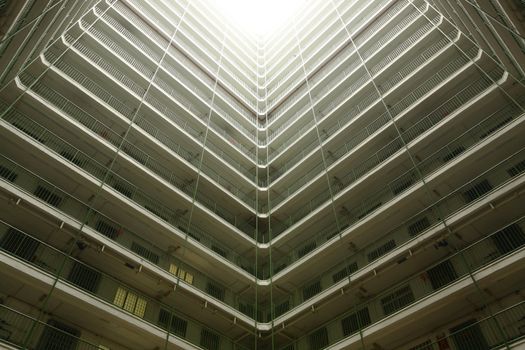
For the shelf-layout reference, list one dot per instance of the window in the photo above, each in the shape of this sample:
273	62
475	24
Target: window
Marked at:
318	339
477	191
84	277
181	273
247	309
123	189
58	336
418	226
368	211
468	336
509	238
515	170
382	250
346	271
215	290
306	249
72	158
397	300
442	274
135	153
47	196
8	174
107	229
156	212
19	244
453	154
210	340
355	322
219	251
33	134
494	128
401	185
177	325
130	302
145	253
281	308
311	290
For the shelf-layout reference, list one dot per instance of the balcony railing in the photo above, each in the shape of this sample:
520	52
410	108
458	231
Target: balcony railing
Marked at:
461	266
417	224
146	160
367	33
409	99
148	52
319	76
195	55
153	102
171	217
98	223
15	327
104	288
371	127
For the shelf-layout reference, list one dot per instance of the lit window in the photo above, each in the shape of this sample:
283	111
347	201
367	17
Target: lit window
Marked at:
180	273
130	302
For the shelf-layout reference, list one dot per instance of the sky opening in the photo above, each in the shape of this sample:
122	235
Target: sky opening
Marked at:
260	18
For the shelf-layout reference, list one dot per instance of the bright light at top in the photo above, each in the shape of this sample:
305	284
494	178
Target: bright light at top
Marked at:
258	17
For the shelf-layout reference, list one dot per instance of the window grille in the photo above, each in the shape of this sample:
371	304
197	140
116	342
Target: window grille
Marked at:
418	226
401	185
345	272
219	251
84	277
209	340
106	229
19	244
514	171
130	302
468	336
145	253
306	249
382	250
281	308
453	154
509	238
58	335
181	273
215	290
47	196
319	339
123	189
441	274
311	290
355	321
177	326
477	191
397	300
8	174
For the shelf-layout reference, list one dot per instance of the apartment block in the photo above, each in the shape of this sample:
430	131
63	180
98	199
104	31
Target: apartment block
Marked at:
354	179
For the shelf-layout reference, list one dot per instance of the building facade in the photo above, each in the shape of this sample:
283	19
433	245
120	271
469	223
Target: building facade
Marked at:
353	181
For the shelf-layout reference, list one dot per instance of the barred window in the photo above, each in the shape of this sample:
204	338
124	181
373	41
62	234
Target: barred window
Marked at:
130	302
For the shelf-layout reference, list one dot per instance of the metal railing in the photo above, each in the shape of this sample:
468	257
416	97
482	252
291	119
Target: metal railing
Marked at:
382	154
104	288
15	326
353	68
459	266
406	231
149	100
98	223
